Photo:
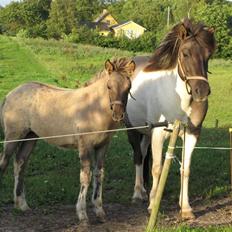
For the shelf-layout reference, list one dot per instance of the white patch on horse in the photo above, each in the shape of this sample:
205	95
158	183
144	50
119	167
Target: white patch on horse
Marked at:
190	142
81	203
138	183
158	93
98	177
20	201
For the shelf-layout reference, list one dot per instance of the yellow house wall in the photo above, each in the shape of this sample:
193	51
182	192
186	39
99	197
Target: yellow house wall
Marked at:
109	19
127	28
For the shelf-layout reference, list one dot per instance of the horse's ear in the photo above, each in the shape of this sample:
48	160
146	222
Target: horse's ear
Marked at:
211	30
131	67
186	28
109	67
182	32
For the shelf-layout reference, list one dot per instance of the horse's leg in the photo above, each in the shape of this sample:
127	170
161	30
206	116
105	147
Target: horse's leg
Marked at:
190	142
98	176
20	163
199	110
158	138
144	145
134	138
8	151
85	178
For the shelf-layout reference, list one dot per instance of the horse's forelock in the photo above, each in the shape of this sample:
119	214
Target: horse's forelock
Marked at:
120	65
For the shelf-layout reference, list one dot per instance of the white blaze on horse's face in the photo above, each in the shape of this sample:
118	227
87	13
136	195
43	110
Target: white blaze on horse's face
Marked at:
193	66
118	85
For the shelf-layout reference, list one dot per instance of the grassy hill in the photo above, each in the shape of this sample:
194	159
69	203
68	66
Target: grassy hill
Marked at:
69	65
52	174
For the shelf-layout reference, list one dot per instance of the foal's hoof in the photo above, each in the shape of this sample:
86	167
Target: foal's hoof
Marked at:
100	215
187	215
84	224
101	218
83	218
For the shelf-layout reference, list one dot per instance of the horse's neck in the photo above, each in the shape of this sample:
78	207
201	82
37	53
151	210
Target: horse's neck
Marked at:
163	92
181	90
100	94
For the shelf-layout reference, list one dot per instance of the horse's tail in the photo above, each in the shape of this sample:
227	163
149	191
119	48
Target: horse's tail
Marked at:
147	167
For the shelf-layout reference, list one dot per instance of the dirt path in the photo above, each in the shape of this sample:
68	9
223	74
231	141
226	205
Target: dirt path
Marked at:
120	218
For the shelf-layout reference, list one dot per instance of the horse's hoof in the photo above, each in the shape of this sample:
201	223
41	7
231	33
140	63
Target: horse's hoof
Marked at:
23	207
83	218
149	211
83	223
137	201
187	215
144	197
101	218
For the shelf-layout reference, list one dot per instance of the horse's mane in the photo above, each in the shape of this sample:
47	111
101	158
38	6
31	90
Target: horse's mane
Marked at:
166	55
120	65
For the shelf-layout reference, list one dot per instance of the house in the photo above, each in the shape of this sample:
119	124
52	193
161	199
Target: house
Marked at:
107	24
130	29
104	22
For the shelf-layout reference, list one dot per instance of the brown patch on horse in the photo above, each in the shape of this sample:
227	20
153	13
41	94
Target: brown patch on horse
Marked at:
166	55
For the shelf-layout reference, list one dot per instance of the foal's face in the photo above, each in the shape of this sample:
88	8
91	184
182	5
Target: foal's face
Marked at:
193	57
118	85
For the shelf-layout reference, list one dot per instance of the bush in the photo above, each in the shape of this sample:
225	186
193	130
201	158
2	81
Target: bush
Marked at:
145	43
23	33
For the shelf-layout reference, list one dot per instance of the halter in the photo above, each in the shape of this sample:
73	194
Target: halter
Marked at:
187	78
117	102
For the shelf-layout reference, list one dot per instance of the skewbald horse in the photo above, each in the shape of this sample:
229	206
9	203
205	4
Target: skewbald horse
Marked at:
171	84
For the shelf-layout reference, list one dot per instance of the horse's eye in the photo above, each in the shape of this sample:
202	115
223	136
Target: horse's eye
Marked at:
186	53
108	86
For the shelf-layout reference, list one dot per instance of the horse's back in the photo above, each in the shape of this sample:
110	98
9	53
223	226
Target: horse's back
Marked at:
141	62
28	102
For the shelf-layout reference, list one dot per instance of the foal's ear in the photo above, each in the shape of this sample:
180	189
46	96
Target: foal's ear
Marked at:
109	67
131	67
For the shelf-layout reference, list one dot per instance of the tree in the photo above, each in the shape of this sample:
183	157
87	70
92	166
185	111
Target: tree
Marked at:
62	18
219	16
87	9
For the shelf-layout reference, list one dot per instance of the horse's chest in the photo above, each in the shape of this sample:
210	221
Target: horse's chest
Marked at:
176	109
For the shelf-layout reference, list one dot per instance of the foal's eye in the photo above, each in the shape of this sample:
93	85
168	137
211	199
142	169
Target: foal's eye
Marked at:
108	86
186	53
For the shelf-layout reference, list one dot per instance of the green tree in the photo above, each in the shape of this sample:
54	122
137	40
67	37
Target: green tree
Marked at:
88	9
62	18
11	19
219	16
28	15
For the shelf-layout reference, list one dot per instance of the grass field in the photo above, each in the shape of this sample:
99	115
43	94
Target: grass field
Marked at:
53	174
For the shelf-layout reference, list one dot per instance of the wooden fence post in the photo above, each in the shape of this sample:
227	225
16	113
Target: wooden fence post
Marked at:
163	177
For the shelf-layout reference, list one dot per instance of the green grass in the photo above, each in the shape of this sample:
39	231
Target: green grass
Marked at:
52	175
220	100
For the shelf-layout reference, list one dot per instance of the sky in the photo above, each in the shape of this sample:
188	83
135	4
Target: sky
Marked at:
5	2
